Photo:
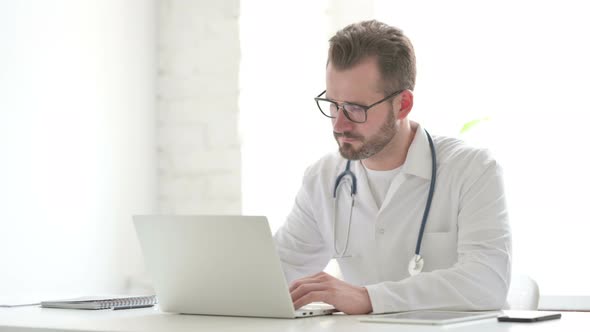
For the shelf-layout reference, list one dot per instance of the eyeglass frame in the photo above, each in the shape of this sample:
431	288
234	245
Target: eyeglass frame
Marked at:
341	105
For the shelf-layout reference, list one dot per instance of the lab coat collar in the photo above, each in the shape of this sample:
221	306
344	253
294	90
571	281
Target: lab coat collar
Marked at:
418	160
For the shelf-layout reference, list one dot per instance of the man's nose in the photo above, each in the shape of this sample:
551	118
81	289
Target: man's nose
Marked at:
341	123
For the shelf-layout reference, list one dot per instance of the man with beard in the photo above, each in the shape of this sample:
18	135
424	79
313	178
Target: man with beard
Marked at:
368	205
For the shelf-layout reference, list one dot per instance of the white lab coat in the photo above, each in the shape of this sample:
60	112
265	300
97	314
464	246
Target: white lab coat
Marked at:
467	240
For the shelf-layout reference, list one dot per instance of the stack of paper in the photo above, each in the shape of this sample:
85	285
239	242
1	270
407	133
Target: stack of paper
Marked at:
18	301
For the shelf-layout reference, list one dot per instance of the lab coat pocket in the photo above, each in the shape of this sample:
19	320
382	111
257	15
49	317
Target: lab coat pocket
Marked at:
439	250
355	270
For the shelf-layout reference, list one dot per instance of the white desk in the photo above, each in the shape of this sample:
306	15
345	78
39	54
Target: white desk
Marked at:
149	319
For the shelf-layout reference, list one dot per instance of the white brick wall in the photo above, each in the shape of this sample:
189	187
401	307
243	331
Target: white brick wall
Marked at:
198	144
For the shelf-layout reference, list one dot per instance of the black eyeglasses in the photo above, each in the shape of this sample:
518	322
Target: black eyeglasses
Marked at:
353	112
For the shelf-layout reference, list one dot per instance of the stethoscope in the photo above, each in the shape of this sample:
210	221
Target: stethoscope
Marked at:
417	262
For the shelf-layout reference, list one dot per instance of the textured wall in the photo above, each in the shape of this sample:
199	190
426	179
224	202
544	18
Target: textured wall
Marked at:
198	143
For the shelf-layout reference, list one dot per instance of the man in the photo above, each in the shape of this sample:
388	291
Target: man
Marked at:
465	251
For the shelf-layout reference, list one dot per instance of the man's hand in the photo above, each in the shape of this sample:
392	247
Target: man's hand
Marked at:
322	287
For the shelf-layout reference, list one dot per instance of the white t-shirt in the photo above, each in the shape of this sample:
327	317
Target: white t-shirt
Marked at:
380	182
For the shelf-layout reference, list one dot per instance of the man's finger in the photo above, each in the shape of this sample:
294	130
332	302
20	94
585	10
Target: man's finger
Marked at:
318	277
317	296
304	289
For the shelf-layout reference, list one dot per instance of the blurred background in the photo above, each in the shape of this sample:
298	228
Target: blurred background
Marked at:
113	108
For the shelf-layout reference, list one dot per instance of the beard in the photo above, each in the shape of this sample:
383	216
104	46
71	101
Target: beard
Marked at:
369	146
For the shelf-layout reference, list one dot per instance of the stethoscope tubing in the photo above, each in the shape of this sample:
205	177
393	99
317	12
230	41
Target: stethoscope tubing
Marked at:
353	191
430	195
346	172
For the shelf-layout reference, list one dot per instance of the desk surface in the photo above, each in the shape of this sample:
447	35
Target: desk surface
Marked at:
150	319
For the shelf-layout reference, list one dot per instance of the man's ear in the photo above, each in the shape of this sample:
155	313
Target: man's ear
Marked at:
406	101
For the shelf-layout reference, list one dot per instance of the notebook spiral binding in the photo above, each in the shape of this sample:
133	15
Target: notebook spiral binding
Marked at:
102	303
127	302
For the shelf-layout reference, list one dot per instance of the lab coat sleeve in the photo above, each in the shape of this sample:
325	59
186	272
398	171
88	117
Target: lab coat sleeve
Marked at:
299	242
480	279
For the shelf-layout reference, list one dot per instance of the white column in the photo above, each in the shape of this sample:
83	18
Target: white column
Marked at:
199	163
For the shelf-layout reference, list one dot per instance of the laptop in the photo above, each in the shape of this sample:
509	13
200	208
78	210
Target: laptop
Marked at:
217	265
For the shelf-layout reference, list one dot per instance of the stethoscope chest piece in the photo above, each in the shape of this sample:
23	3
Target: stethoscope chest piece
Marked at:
416	265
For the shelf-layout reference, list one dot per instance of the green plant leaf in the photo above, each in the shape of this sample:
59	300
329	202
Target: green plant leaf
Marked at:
473	123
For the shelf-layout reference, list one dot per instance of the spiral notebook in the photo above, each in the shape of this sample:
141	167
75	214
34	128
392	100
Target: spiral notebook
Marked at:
102	302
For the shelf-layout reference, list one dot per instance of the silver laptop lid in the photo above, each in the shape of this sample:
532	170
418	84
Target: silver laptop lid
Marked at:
214	265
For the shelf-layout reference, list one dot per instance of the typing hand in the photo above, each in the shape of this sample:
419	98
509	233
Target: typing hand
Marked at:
322	287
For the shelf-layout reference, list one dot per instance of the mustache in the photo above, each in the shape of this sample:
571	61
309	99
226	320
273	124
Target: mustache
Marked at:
347	134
